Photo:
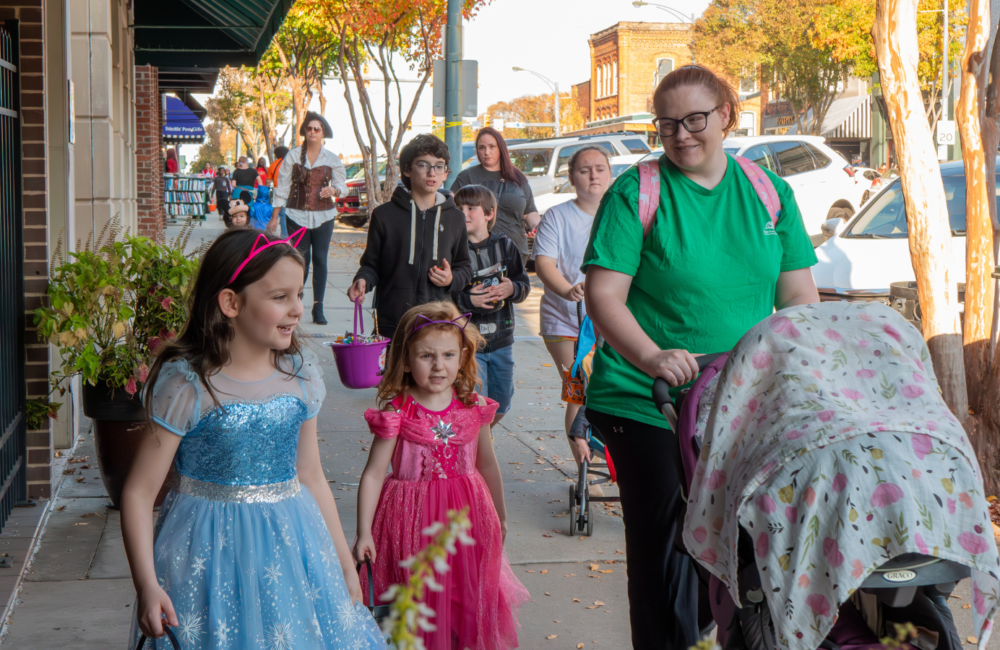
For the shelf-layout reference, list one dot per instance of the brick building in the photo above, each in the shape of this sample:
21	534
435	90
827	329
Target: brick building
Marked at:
628	60
81	85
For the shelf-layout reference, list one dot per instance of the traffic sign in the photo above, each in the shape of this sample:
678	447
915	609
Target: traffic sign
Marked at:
514	125
946	132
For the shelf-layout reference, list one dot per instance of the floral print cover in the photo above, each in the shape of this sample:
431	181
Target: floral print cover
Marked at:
827	439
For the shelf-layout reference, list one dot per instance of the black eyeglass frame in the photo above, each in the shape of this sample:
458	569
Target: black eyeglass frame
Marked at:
679	123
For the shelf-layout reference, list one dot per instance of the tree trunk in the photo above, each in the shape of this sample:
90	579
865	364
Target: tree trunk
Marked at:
895	37
979	191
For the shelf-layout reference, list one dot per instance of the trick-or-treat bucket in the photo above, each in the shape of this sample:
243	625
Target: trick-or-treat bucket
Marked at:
360	365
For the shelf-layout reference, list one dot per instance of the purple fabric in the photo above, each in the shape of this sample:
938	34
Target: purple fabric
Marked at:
689	414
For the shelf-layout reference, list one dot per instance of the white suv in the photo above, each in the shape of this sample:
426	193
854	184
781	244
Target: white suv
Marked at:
546	162
822	180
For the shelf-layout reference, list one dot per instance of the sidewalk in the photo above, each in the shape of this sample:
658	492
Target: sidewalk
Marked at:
77	591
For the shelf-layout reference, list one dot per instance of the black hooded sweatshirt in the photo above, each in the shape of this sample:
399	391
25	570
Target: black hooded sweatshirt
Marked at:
404	242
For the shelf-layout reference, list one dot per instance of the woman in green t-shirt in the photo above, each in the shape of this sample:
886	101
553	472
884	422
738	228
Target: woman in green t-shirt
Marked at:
711	267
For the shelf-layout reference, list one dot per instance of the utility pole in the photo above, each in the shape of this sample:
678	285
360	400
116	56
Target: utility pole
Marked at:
453	77
558	130
945	95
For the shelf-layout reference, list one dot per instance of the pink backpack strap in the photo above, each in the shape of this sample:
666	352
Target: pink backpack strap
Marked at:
762	185
649	194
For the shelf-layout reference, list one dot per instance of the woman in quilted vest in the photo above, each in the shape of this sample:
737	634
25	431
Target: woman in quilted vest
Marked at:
308	182
711	259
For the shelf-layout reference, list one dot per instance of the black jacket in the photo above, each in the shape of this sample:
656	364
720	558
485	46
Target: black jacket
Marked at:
496	324
398	257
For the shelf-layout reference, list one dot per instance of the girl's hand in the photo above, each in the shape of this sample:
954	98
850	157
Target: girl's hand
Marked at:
364	547
354	587
503	531
152	604
575	293
580	449
678	367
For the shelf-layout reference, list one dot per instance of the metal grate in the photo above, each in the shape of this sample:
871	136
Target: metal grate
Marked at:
13	425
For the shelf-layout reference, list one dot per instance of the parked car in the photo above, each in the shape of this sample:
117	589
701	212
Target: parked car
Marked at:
864	256
566	191
822	180
352	208
863	178
545	162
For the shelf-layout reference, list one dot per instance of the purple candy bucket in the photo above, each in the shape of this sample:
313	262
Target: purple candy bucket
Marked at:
360	365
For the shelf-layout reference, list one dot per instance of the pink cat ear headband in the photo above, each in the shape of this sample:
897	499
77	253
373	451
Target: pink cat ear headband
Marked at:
297	236
454	322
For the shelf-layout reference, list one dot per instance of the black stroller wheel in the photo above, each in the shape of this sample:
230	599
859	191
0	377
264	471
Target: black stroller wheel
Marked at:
590	520
572	509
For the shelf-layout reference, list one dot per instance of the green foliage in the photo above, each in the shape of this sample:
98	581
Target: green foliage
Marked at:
110	307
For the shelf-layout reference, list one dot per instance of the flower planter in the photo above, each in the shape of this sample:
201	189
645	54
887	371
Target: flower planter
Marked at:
119	427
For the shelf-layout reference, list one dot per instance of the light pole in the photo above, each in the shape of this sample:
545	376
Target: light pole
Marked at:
554	85
639	4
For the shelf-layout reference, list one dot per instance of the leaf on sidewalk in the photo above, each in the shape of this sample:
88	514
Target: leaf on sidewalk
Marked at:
594	566
89	514
568	575
967	606
81	479
578	646
547	593
598	603
545	571
529	570
69	470
552	636
606	571
593	606
546	535
576	600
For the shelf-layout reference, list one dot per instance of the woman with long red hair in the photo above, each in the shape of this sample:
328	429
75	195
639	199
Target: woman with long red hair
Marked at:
516	212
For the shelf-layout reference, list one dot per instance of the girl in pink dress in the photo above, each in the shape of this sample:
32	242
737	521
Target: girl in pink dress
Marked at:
435	430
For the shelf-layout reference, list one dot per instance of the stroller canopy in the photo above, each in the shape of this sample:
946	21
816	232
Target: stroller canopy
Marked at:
828	441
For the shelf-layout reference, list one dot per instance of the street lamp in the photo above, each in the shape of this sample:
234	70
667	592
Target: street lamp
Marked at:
686	19
554	85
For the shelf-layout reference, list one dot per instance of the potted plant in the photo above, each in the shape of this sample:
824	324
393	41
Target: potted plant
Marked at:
109	309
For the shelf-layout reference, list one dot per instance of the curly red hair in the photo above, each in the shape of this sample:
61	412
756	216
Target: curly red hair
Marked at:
397	381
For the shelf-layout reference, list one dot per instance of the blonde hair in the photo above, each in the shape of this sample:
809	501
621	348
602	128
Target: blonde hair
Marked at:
397	381
696	75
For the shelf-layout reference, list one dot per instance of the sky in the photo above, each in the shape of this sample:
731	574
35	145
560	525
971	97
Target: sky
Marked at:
546	36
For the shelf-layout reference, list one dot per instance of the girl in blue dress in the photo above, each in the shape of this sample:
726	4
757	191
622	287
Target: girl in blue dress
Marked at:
248	552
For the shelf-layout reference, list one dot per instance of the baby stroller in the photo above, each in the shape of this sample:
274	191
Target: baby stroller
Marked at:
581	522
910	583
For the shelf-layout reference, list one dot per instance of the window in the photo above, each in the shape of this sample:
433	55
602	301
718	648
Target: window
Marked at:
614	78
562	162
821	158
793	158
635	146
761	155
748	82
532	162
663	68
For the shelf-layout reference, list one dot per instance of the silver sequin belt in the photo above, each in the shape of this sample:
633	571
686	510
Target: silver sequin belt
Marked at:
269	493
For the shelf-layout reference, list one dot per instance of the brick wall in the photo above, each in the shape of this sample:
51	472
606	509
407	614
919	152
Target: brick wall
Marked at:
36	225
149	168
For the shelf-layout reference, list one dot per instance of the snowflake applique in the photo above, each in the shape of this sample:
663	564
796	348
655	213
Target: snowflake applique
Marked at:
328	557
272	573
312	592
223	541
190	626
317	630
349	616
198	566
279	636
222	631
165	583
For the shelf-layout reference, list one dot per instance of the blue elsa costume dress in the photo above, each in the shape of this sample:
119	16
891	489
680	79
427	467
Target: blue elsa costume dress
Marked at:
240	545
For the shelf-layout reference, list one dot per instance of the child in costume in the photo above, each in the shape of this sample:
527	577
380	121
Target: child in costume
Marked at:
248	552
435	430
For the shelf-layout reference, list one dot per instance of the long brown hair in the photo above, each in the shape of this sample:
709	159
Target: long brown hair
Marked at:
508	171
397	381
204	343
717	87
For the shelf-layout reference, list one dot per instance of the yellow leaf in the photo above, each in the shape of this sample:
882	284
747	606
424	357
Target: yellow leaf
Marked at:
876	454
967	606
948	485
546	365
853	516
786	494
599	603
552	636
594	567
972	639
606	571
81	333
118	329
545	571
578	646
576	600
593	606
785	561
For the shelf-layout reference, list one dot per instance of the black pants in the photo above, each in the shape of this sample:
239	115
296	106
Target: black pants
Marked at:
662	582
222	207
315	245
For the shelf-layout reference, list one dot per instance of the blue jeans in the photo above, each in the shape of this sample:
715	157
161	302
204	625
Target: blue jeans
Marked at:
284	222
496	371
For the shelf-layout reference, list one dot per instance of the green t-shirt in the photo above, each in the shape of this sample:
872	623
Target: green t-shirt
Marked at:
704	275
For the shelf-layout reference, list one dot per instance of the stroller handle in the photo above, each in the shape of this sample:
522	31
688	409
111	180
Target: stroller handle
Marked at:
661	389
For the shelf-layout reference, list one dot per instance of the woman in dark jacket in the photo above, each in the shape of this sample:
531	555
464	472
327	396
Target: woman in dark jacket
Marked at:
516	212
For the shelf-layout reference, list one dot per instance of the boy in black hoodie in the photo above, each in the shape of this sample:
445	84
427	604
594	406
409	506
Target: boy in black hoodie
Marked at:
498	281
417	242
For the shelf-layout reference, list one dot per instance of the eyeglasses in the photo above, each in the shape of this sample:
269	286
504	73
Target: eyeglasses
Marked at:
694	123
426	167
314	129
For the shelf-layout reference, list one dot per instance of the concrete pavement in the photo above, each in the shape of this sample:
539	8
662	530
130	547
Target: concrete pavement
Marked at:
77	591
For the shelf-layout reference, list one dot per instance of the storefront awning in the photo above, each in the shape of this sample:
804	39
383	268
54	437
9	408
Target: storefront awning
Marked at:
180	124
206	33
849	118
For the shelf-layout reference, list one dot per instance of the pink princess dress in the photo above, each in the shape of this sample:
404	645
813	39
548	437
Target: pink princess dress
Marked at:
434	471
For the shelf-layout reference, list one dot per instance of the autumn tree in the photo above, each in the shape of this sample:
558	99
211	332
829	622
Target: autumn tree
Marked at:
844	27
221	141
252	103
537	108
388	36
740	37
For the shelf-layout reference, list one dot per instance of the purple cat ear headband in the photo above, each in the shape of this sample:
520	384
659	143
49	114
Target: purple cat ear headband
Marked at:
297	236
454	322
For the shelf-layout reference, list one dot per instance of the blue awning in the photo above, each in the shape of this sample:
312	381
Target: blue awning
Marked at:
180	124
